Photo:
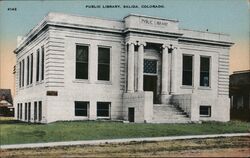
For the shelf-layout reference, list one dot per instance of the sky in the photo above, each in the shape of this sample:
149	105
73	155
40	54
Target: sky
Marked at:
223	16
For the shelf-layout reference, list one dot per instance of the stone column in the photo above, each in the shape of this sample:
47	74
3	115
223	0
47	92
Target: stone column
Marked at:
164	84
140	66
131	71
173	71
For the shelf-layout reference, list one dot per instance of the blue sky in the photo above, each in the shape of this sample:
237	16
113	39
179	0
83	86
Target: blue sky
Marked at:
227	16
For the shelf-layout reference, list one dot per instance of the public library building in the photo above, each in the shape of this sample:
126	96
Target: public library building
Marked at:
140	69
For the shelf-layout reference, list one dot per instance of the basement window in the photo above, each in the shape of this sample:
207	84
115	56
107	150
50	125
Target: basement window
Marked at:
103	109
81	108
205	111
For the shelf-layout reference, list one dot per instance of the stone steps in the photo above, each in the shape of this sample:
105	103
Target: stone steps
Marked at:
167	113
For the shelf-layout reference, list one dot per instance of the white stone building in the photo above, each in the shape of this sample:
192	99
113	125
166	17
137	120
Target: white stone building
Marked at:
141	69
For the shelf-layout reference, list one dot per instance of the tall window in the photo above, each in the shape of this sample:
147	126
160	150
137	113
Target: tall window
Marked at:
28	70
81	108
31	68
104	64
21	111
103	109
40	110
20	74
18	111
187	74
82	62
35	110
23	72
37	64
25	111
29	110
42	56
204	71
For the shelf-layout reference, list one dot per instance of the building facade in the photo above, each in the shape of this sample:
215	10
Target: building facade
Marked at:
140	69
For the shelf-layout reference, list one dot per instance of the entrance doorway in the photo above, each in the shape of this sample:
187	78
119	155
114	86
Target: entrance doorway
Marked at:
131	114
150	84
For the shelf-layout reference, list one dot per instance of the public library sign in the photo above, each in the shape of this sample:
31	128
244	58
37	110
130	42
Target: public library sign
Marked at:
150	23
153	22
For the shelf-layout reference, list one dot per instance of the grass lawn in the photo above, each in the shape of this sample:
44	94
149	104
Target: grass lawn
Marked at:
15	132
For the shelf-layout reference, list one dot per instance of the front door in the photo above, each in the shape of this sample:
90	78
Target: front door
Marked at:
150	84
131	114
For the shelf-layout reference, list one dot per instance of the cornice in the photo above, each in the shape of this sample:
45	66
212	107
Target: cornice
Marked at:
151	32
204	41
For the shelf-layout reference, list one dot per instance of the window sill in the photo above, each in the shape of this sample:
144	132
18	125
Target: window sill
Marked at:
81	81
105	118
39	82
103	82
204	88
187	87
205	116
81	117
30	85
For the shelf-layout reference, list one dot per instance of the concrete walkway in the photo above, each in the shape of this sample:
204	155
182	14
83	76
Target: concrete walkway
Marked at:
98	142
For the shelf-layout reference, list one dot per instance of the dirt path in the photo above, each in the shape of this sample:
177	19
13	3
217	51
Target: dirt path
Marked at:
219	147
229	152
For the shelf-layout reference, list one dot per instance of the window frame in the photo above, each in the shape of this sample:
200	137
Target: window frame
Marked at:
26	111
23	71
40	111
31	68
110	59
87	109
109	110
29	111
28	71
192	71
20	74
38	65
88	73
18	111
42	62
209	72
21	111
35	111
151	74
209	110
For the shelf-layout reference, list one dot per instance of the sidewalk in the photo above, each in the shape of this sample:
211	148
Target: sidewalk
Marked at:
124	140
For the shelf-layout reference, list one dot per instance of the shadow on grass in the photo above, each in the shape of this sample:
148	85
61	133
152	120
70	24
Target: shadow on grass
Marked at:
10	122
17	122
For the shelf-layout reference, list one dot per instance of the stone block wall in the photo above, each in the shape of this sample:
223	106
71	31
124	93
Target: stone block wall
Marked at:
143	104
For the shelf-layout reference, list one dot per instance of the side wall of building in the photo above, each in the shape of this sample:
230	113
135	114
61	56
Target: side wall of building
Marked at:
35	91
